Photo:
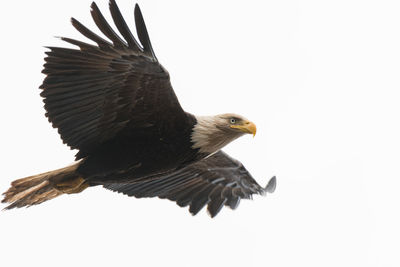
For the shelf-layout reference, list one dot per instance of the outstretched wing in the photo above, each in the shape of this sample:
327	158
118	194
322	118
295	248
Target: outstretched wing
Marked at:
217	181
94	92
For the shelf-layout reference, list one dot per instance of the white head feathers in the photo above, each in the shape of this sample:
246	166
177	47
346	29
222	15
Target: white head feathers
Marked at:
211	133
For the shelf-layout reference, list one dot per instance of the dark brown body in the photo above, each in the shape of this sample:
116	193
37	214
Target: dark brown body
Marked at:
146	152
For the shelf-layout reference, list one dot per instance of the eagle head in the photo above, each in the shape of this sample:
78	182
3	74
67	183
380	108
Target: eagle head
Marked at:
211	133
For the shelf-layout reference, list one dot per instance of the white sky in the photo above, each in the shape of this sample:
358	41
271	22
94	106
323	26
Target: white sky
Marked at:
319	78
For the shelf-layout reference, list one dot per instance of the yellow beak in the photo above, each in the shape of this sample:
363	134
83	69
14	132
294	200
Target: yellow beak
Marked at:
246	127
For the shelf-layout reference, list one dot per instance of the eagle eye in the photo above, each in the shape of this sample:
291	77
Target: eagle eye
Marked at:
233	120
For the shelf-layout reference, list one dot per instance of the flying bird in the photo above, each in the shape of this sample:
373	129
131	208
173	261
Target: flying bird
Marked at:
114	102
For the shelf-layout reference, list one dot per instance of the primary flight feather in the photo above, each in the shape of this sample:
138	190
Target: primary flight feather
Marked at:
114	102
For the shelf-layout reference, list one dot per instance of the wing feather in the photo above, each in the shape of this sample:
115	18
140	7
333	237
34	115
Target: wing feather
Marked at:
215	181
142	32
105	28
96	91
123	27
200	199
89	34
217	201
82	45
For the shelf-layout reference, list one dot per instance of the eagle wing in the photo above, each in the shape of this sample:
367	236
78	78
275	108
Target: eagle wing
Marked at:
94	92
217	181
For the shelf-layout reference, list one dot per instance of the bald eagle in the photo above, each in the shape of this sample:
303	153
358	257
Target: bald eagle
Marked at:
114	103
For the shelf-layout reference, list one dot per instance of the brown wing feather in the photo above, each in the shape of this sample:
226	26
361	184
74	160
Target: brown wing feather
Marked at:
215	181
94	92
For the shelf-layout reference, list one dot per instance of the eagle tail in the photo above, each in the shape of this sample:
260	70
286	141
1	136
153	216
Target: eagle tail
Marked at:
36	189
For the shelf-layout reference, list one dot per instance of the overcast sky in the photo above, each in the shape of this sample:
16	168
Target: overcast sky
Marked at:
319	78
